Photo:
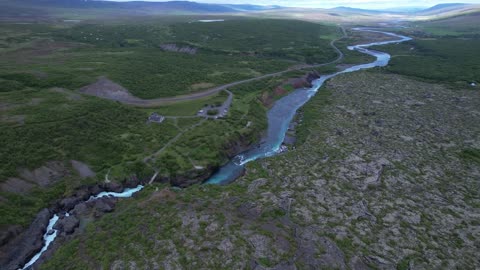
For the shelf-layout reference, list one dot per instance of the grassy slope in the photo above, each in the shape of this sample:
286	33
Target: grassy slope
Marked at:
443	50
455	26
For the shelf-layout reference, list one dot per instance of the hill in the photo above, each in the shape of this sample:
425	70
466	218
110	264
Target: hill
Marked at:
442	8
355	10
138	7
447	10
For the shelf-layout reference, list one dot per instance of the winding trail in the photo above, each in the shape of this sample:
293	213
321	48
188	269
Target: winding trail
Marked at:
135	101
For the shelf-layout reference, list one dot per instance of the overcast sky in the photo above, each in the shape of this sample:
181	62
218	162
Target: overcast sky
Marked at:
333	3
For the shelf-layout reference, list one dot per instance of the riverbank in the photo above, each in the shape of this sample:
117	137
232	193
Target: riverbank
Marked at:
283	111
80	207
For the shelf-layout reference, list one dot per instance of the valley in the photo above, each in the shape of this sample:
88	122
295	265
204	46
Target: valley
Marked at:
380	170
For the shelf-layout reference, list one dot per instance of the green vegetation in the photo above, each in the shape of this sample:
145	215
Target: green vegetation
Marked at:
54	126
471	155
18	209
310	115
188	108
345	191
465	25
313	199
286	39
130	54
443	59
352	56
44	118
210	143
212	112
444	50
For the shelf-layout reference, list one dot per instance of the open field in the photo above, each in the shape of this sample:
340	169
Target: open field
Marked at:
450	56
132	56
460	25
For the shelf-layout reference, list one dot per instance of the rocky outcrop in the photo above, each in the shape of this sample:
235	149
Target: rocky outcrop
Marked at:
48	174
103	205
8	233
67	224
238	146
190	178
310	244
16	248
113	187
16	253
269	97
82	169
311	76
176	48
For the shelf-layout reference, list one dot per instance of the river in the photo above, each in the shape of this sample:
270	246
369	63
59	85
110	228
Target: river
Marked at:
51	233
279	118
283	111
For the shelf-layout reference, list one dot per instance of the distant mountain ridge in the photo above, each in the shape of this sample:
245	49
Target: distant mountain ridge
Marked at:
185	6
444	6
440	8
354	10
450	9
25	9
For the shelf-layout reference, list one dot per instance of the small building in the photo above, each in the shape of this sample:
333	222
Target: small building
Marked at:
155	118
473	84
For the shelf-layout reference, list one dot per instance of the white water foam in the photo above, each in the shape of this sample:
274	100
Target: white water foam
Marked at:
48	238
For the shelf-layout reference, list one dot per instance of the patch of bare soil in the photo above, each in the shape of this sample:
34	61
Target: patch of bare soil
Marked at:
105	88
179	49
6	106
50	173
16	185
82	169
13	119
35	101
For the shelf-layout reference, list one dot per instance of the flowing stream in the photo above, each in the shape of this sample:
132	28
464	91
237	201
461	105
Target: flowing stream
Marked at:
283	111
51	233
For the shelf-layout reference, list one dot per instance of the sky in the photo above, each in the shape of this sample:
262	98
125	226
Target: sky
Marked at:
366	4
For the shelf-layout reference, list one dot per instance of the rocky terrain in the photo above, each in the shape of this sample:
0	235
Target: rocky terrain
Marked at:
379	179
175	48
17	246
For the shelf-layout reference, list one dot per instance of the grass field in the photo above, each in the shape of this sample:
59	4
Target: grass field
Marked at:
448	60
73	56
465	25
442	50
